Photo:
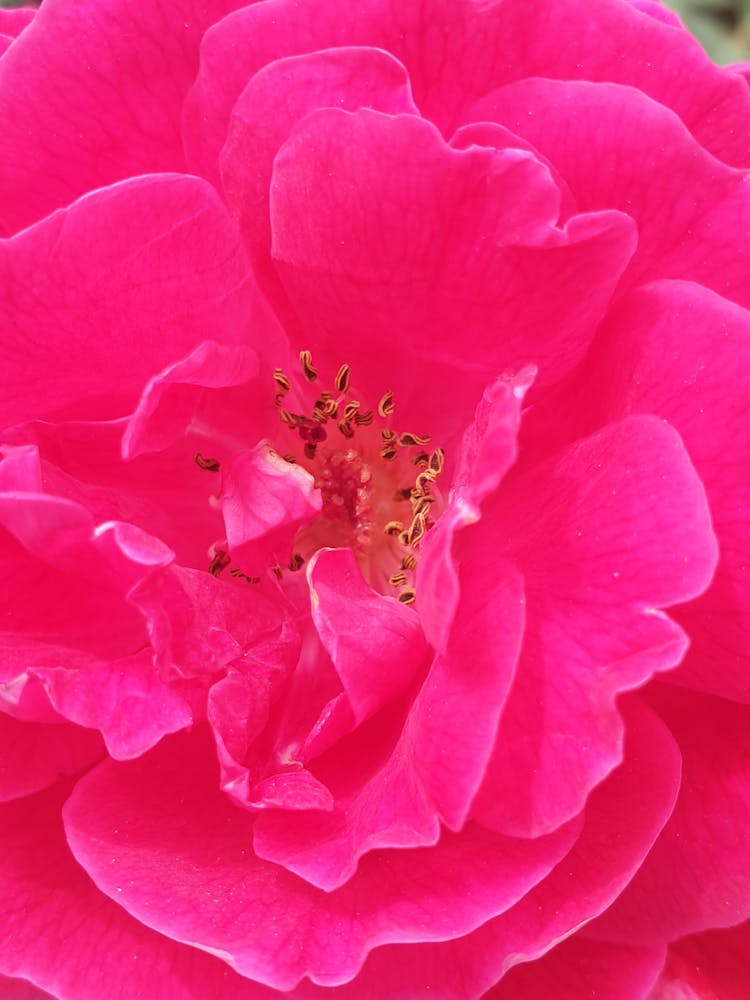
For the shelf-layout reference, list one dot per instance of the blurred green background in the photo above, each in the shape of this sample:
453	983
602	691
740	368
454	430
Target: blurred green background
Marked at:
722	26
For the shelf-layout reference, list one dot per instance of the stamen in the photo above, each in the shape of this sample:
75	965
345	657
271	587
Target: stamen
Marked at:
397	579
437	461
239	575
409	562
421	458
346	428
308	369
282	381
363	419
296	562
407	596
350	409
388	453
207	464
393	528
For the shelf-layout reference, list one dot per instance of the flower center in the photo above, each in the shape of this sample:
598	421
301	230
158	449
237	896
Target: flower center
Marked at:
378	485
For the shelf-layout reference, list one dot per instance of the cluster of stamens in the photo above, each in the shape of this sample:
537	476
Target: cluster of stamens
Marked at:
338	444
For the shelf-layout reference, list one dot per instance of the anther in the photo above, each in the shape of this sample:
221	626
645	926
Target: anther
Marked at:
386	405
276	570
437	460
346	428
296	562
308	369
291	459
219	562
416	530
207	464
422	504
397	579
290	419
423	482
404	494
388	453
388	435
364	418
407	596
239	575
393	528
350	409
281	380
421	458
409	562
342	379
412	440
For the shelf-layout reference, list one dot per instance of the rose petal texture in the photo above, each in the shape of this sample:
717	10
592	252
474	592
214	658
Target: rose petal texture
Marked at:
373	502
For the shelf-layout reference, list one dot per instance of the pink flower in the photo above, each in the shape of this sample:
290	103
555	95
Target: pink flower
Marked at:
374	504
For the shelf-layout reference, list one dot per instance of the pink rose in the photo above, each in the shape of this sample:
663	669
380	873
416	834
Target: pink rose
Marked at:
374	503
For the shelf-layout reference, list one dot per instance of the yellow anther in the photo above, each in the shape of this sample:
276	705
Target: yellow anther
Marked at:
407	596
386	405
413	440
281	380
393	528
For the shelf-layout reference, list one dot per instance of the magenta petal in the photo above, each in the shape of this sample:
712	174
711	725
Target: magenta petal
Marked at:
697	876
607	533
61	133
36	755
55	920
174	401
582	968
177	842
80	287
623	817
265	498
487	451
682	229
375	643
710	966
642	354
275	99
456	286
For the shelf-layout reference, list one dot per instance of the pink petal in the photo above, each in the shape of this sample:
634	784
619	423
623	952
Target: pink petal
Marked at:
62	132
682	228
458	283
622	819
264	500
165	493
456	52
612	529
581	968
80	287
696	876
710	966
178	843
487	451
21	989
375	642
642	355
36	755
175	401
274	100
55	920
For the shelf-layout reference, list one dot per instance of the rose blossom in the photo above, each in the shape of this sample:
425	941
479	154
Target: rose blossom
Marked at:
374	502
